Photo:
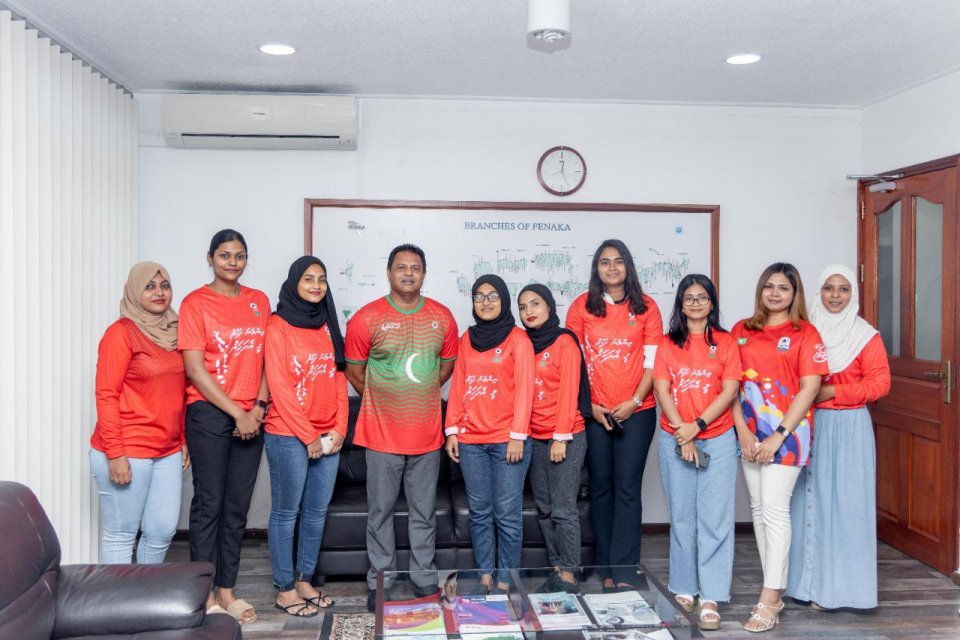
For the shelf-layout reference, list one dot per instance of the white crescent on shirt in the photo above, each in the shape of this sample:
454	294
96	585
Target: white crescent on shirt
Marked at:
845	334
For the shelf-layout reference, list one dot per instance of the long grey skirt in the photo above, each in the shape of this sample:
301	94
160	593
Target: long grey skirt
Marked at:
833	550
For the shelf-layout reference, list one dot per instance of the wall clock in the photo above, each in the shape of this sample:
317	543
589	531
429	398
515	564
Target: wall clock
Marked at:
561	171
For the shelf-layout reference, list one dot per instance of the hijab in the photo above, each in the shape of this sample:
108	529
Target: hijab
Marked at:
487	334
308	315
845	334
547	333
162	328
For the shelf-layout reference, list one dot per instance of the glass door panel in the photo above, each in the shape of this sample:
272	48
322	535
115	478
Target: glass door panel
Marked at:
888	278
929	270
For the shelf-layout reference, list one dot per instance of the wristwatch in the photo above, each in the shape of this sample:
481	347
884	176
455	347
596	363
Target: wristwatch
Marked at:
701	423
263	404
783	431
637	401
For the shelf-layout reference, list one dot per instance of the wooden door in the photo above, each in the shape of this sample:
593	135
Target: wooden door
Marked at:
908	239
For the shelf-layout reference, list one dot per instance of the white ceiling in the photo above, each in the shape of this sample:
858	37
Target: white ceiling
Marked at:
816	52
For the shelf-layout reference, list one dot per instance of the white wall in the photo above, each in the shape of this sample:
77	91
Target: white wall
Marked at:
912	127
777	174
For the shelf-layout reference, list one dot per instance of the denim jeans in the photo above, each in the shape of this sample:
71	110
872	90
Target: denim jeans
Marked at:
701	516
149	503
555	486
615	462
495	494
298	486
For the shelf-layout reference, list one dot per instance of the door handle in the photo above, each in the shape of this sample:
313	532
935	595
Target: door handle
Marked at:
945	374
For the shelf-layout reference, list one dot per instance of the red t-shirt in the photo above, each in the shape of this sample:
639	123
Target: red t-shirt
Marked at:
308	396
774	359
556	390
491	392
866	379
402	350
231	333
696	373
140	395
614	348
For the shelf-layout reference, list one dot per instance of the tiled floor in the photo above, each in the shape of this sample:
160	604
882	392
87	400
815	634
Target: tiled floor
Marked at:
915	601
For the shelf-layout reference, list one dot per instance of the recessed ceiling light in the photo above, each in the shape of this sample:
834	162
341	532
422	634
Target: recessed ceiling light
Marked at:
744	58
278	49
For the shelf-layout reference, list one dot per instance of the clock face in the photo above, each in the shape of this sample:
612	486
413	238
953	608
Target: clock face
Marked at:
561	171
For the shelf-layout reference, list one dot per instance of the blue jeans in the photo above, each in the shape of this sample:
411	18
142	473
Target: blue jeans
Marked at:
495	493
701	516
298	486
150	503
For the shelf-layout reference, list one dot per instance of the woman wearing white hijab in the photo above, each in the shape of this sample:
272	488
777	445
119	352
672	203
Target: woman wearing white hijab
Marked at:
833	555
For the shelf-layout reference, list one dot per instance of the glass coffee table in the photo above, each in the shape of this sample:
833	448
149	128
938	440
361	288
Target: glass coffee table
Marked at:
453	604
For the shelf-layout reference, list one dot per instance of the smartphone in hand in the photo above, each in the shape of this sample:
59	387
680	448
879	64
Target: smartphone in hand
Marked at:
703	456
613	422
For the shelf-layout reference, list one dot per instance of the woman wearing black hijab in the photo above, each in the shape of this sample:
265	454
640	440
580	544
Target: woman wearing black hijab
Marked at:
561	399
306	425
488	424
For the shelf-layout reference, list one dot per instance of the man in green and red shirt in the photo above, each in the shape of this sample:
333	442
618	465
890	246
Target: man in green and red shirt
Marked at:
399	350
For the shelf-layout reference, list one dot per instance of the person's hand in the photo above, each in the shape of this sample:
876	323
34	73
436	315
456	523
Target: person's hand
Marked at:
624	410
315	448
248	424
558	451
685	432
689	453
600	415
186	456
453	448
514	451
826	392
336	442
119	470
768	448
748	446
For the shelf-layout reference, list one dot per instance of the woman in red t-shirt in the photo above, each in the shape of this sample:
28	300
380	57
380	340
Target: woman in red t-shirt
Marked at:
137	452
488	429
222	332
696	377
833	554
783	361
305	429
561	399
619	329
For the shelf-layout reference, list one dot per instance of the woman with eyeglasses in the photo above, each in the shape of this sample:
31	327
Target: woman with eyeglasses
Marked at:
833	555
488	429
783	360
561	400
696	377
619	328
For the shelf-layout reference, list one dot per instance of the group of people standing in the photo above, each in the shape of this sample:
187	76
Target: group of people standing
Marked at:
536	401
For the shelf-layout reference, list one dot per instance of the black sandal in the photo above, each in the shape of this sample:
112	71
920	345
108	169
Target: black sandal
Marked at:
296	609
321	598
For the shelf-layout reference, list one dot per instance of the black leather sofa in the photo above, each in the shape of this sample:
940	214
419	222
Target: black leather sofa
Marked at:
343	550
40	599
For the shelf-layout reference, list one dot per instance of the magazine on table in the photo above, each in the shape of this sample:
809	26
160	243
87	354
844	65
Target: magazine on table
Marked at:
628	634
624	609
559	610
484	614
418	617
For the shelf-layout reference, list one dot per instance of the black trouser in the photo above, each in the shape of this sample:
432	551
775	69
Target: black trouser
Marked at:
616	462
224	474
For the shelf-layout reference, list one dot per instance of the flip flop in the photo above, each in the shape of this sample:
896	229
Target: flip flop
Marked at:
322	601
239	607
296	609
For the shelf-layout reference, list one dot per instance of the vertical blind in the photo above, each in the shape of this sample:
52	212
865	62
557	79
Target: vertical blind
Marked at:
68	211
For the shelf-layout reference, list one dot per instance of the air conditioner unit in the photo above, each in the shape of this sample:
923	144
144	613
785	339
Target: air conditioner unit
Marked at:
212	121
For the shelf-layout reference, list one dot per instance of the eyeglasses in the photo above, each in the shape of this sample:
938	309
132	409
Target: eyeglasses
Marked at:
493	296
689	301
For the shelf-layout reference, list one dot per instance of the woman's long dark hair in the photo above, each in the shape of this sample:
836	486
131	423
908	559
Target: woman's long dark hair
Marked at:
679	333
631	286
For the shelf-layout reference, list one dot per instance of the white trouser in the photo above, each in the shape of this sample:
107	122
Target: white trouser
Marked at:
770	487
